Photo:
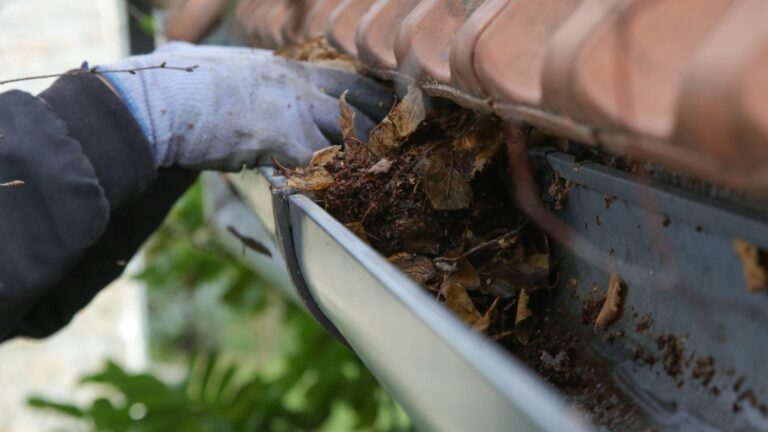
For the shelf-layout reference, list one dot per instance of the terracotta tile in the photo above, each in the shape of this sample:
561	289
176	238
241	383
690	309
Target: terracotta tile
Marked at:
343	22
619	64
293	25
317	17
376	33
509	54
723	110
462	54
423	44
248	14
267	33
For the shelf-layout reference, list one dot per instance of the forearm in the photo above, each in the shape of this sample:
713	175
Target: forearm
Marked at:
90	199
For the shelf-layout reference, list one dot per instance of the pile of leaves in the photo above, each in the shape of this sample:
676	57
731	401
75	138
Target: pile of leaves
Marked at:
426	189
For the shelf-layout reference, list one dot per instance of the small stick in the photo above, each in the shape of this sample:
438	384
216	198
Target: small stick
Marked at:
484	244
360	142
282	168
96	71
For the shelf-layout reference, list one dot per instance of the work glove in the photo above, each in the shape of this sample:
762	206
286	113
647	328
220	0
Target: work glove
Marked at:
239	107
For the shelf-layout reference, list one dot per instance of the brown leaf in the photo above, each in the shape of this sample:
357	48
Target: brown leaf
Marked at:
753	261
312	178
481	145
466	275
399	124
417	236
481	325
525	321
612	306
358	229
347	119
418	267
446	187
457	300
325	155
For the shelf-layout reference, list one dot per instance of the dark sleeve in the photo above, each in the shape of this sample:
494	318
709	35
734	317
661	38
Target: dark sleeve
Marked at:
129	226
89	181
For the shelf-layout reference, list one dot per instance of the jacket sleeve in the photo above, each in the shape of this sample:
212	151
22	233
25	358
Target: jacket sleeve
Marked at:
90	197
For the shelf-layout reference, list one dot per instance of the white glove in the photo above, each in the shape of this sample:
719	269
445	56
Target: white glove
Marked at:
240	106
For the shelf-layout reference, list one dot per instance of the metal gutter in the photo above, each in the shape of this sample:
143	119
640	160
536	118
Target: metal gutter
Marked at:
450	378
446	376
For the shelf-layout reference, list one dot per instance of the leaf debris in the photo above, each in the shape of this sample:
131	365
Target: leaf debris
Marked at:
753	265
611	309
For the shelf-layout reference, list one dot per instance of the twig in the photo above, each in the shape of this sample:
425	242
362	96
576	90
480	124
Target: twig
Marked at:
96	71
12	184
358	141
284	170
484	245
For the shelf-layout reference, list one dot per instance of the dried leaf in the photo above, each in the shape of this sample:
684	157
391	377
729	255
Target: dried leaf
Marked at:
312	178
347	119
466	275
753	261
399	124
418	267
559	190
525	321
612	307
325	155
535	269
446	187
381	167
416	236
457	300
481	145
481	325
358	229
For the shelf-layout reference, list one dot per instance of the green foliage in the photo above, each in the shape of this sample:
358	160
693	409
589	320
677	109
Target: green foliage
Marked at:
309	381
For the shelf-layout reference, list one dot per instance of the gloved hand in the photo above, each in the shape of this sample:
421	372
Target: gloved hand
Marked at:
240	106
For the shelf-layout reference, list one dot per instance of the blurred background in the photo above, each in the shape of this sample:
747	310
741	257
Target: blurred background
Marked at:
189	339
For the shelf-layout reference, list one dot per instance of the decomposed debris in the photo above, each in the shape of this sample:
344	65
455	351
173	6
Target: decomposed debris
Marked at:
612	307
753	261
358	229
418	267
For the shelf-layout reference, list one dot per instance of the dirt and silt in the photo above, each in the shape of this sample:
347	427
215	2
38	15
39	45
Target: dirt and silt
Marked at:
428	189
